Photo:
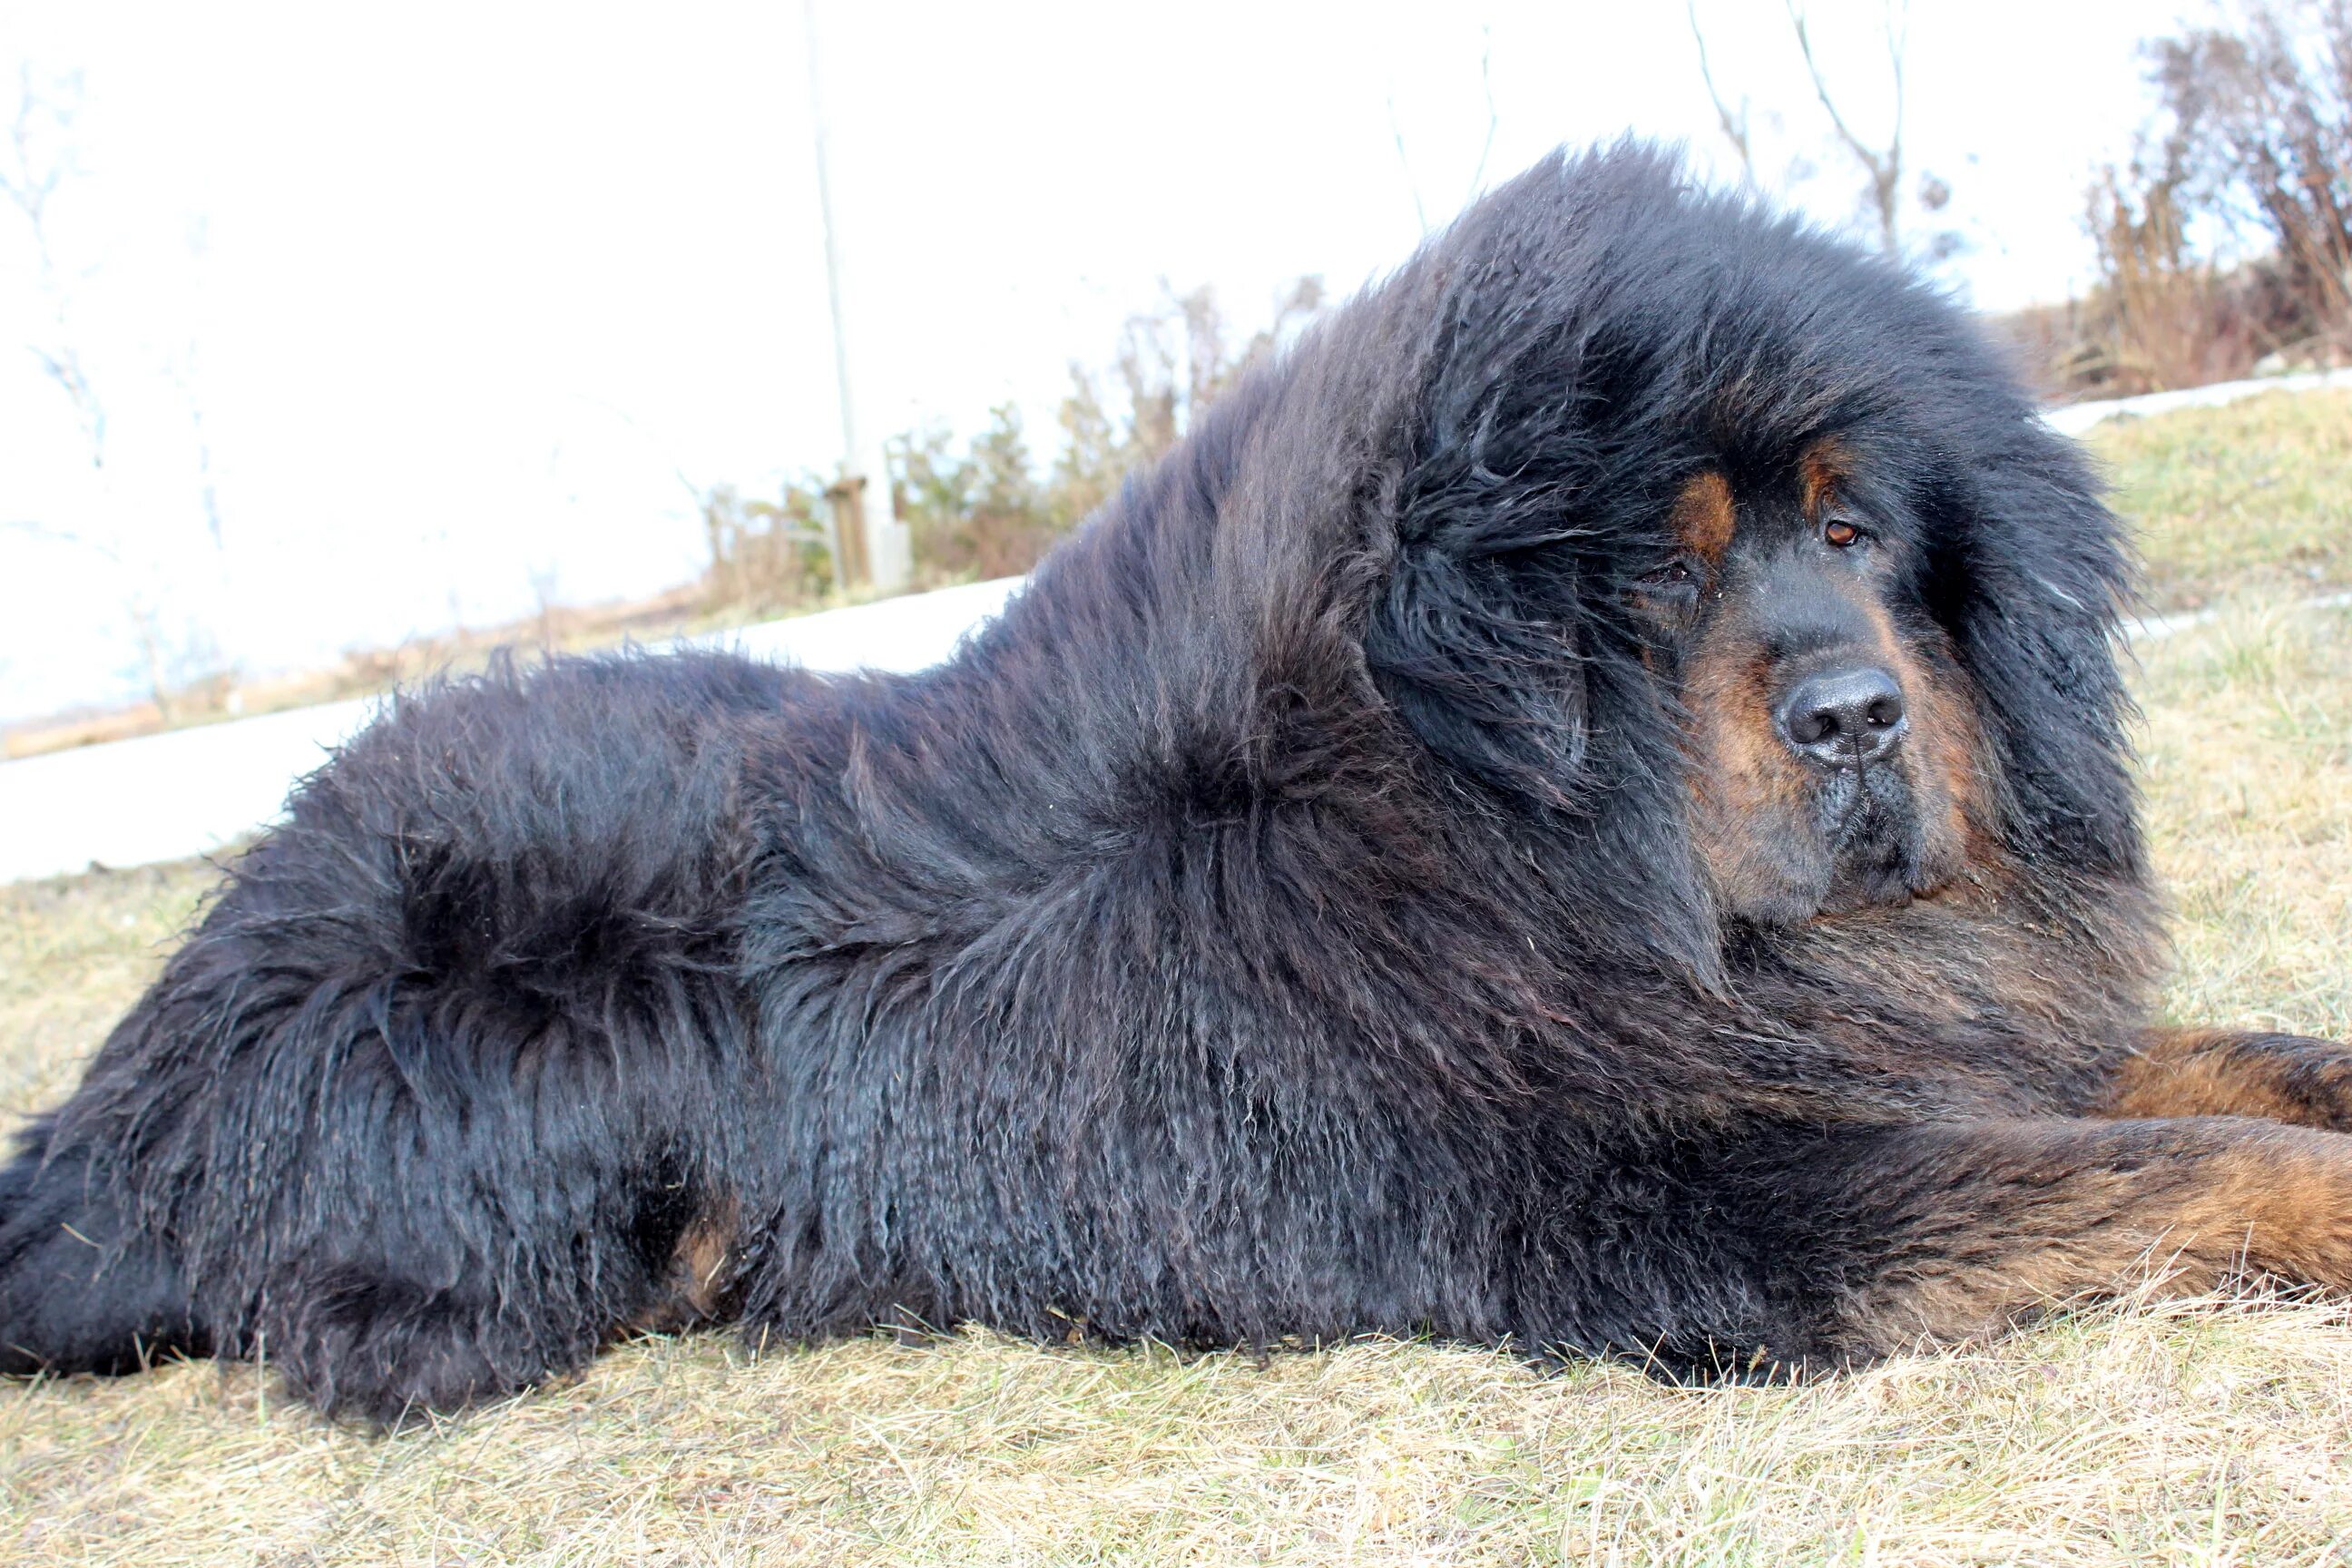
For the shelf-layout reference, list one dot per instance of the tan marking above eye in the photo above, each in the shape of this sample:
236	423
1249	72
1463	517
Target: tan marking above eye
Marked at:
1820	470
1703	518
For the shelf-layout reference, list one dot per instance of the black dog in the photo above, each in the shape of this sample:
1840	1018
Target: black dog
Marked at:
1584	807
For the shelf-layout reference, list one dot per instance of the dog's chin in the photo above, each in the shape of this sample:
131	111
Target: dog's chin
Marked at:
1858	846
1871	839
1840	889
1859	888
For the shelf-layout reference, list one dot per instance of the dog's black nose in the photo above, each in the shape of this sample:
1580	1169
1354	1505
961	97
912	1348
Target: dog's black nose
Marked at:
1843	718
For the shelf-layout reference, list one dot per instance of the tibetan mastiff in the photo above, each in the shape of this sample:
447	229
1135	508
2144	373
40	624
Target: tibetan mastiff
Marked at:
1586	807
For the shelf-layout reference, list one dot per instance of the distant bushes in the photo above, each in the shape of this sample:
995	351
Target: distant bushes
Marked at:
989	512
982	512
984	508
767	555
2225	243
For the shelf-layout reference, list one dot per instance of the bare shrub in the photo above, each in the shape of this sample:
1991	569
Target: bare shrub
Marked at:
1172	362
2163	317
767	555
983	510
982	514
985	513
2225	244
2262	114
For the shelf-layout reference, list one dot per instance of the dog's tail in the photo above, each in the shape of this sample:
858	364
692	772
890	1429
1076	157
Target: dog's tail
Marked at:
77	1291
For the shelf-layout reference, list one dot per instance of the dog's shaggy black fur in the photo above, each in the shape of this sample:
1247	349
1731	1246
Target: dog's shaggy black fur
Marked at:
1405	866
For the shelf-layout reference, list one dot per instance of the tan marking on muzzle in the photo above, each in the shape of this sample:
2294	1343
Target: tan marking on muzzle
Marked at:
1942	757
1752	796
1744	790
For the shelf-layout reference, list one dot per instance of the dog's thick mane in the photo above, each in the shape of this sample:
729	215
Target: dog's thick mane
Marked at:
1394	564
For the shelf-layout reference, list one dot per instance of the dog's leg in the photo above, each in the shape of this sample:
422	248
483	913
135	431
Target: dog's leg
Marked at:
449	1086
376	1298
405	1210
471	1267
1830	1248
2224	1072
78	1291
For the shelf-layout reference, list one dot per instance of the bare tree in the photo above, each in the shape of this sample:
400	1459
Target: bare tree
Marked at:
1487	87
164	661
1882	167
1486	150
36	163
1405	161
188	374
39	158
2261	117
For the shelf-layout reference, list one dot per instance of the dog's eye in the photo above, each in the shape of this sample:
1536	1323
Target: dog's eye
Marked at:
1843	532
1672	590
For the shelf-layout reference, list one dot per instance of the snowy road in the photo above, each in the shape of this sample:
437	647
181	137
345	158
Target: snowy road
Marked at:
2073	419
190	792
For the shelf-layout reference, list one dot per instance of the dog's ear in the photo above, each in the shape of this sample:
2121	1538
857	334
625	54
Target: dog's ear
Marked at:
2032	586
1474	640
1485	644
1480	636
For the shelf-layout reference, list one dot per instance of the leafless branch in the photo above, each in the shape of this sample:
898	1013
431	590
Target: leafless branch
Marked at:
28	179
677	469
42	531
1885	169
1734	126
1412	187
1487	82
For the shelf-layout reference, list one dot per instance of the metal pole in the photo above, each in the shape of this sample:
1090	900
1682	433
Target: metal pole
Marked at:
869	546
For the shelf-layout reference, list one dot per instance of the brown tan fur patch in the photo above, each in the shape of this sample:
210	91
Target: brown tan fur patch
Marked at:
2058	1212
2222	1072
1703	517
697	1285
1943	756
1749	796
1823	467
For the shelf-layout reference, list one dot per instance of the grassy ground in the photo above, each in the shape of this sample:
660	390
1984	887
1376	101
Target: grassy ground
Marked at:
2254	495
2153	1434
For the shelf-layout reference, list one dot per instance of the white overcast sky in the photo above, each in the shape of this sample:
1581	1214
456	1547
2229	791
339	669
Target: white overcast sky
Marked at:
459	290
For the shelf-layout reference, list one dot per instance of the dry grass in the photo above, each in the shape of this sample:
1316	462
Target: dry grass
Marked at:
2257	495
2161	1435
2143	1435
2248	771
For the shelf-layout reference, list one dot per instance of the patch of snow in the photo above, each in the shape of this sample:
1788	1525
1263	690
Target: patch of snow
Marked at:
2073	419
2156	629
191	791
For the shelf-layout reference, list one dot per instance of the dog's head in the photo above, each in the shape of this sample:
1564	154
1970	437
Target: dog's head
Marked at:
1736	556
1833	759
